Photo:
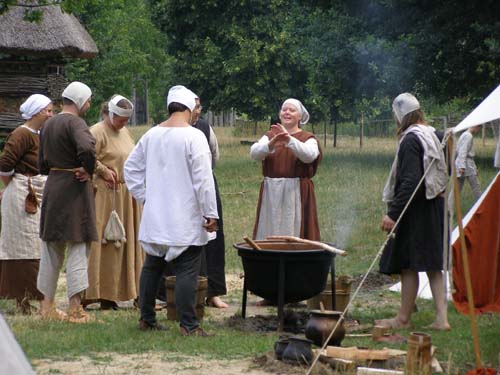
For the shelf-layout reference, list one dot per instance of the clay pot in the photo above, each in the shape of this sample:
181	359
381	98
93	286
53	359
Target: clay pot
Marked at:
321	323
298	351
280	346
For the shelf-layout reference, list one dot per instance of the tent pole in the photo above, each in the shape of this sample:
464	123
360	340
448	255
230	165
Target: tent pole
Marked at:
463	248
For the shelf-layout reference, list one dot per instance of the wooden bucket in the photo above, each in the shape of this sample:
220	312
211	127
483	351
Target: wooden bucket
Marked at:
201	295
342	295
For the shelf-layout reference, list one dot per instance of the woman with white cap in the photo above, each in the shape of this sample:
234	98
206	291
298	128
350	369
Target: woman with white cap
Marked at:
169	170
114	267
290	157
20	244
418	242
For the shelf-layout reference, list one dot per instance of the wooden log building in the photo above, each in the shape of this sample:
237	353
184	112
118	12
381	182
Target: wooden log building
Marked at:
33	56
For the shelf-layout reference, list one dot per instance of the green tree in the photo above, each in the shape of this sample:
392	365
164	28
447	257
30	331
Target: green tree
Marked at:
131	51
234	54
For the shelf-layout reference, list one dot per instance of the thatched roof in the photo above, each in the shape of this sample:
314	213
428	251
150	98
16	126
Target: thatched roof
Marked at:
58	34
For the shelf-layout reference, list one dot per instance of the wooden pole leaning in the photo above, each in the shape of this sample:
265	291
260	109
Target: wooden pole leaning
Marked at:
468	283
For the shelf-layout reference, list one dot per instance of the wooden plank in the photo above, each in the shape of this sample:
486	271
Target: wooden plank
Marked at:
353	353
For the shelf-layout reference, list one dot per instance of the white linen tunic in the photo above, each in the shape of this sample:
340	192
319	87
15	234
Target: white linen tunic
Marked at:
169	170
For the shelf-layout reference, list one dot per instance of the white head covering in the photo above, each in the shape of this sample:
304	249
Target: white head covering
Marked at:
182	95
78	93
404	104
300	107
113	107
34	105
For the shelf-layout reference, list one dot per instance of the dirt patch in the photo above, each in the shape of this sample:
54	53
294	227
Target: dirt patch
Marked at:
155	363
374	281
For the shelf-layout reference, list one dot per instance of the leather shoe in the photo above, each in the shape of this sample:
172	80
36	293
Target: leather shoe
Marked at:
143	326
198	331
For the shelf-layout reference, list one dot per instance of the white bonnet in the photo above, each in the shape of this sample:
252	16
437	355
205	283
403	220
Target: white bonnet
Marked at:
113	107
300	107
182	95
404	104
34	105
78	93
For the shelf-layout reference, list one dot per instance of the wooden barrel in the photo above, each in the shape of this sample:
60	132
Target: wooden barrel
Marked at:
418	354
201	295
342	295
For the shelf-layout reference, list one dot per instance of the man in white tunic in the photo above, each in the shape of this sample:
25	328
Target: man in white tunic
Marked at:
169	171
464	161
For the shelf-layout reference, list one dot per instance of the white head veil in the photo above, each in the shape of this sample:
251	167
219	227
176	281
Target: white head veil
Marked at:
300	107
182	95
114	109
404	104
34	105
78	93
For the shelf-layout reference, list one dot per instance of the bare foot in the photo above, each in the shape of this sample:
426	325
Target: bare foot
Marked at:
217	302
438	326
393	323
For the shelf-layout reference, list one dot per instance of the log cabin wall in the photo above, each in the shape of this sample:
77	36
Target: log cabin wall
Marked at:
20	79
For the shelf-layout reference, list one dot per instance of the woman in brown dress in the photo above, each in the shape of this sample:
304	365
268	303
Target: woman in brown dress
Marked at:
20	244
290	157
114	267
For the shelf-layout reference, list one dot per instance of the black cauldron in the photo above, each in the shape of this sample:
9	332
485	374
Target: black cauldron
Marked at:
285	272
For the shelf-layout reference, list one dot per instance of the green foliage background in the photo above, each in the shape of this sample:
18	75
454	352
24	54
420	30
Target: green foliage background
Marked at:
341	58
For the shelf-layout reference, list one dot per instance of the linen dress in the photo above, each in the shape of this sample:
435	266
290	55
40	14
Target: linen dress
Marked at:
20	245
419	236
283	170
114	272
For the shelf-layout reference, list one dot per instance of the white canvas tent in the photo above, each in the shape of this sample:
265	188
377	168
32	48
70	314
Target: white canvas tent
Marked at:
12	358
488	110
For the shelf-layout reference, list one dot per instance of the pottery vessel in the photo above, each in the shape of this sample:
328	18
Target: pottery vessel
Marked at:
321	324
279	347
298	351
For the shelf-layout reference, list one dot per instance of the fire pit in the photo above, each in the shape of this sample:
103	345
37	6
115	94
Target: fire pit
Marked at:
285	272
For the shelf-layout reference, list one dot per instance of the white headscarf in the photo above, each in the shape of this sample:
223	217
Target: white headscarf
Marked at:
78	93
404	104
113	107
182	95
300	107
34	105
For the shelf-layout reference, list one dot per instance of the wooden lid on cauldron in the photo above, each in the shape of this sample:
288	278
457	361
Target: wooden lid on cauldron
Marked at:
281	245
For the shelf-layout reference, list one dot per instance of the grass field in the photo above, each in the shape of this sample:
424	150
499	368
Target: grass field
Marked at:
348	192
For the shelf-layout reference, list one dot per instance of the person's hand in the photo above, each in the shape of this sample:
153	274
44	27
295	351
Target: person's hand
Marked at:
461	172
109	177
280	136
387	224
210	225
82	175
1	194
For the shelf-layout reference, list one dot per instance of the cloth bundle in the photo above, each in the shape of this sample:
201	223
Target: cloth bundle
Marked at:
114	231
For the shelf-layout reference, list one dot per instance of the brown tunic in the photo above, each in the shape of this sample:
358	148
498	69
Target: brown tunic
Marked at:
20	153
20	261
68	207
284	163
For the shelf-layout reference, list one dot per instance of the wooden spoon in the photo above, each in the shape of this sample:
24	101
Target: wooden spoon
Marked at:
321	245
252	243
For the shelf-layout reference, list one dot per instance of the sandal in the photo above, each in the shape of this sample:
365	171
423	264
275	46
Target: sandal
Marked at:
78	315
53	314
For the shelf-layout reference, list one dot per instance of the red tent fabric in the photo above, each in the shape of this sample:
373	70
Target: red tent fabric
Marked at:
482	238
